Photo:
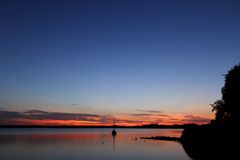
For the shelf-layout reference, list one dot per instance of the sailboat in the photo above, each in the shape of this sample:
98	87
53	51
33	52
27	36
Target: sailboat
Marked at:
114	132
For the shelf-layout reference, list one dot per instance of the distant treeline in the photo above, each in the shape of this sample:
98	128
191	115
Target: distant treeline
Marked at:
175	126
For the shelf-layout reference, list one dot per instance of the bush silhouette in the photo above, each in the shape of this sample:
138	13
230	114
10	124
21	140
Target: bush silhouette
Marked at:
228	108
218	140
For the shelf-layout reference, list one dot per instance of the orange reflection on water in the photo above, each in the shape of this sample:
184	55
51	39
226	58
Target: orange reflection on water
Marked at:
86	134
89	143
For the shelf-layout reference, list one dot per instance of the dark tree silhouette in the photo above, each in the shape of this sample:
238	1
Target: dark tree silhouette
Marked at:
228	109
219	139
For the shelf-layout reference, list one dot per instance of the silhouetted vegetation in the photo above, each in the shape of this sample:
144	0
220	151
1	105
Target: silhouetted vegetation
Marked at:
219	139
228	108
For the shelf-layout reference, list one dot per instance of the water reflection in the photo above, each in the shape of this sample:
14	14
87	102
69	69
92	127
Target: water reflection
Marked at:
113	136
92	144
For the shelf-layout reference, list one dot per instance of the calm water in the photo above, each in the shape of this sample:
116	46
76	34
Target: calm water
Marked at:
88	144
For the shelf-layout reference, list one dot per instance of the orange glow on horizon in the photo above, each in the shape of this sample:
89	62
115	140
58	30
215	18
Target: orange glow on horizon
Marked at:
121	120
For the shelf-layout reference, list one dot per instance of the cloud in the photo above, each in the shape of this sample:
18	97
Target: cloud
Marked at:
42	115
139	114
195	119
34	112
73	104
148	114
173	119
10	115
130	121
149	111
52	118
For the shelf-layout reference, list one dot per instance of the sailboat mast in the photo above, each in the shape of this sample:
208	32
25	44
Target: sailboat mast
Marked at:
113	131
114	123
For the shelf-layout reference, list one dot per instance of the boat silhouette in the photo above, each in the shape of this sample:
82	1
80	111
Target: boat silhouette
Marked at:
114	132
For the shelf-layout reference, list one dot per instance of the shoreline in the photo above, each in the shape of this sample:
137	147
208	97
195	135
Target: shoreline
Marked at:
163	138
130	127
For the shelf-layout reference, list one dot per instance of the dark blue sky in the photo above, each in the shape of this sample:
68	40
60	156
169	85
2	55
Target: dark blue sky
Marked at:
116	56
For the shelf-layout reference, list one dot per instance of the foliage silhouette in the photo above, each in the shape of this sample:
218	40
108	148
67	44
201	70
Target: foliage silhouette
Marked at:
218	140
228	109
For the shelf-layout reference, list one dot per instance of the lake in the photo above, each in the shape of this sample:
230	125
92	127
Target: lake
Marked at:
88	144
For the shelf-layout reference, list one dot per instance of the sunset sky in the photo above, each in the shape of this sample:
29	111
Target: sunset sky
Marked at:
87	62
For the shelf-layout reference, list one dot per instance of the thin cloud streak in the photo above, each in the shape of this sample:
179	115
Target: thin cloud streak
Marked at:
148	114
195	119
42	115
73	104
149	111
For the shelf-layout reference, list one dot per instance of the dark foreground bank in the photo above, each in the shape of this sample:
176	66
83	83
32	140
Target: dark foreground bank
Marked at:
211	142
208	142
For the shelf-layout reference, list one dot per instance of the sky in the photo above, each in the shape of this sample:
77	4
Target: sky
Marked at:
87	62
